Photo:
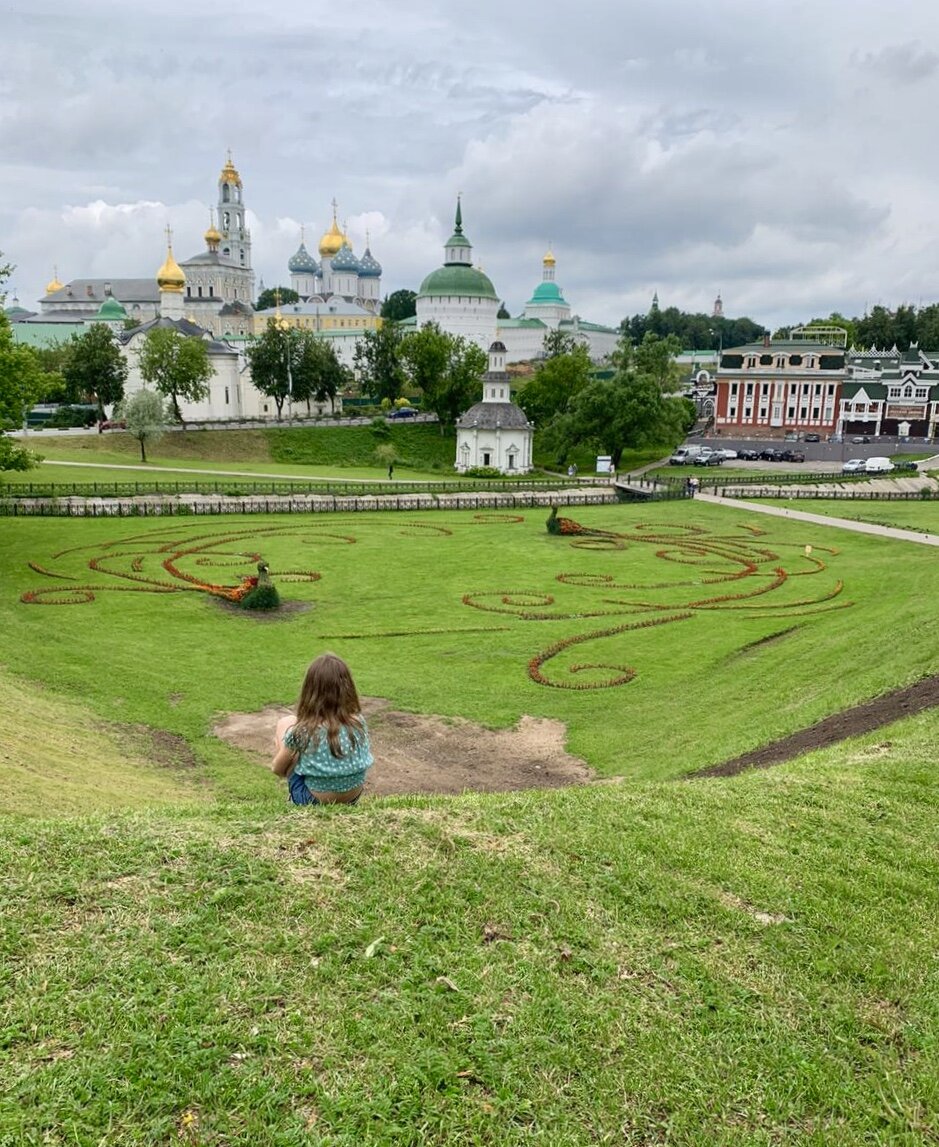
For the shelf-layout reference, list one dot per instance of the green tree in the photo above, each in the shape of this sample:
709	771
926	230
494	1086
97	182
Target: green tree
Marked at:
178	366
317	373
6	270
446	369
276	296
94	368
21	378
655	358
146	416
274	357
628	411
378	362
399	305
558	342
16	457
556	381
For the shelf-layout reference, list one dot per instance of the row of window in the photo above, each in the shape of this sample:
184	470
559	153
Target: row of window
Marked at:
794	389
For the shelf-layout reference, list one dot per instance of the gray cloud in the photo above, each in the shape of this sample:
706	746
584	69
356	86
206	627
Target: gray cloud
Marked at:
683	147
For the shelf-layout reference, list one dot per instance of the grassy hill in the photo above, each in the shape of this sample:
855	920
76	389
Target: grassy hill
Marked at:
651	959
745	961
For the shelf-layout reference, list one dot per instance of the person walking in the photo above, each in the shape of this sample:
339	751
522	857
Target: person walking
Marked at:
391	470
324	751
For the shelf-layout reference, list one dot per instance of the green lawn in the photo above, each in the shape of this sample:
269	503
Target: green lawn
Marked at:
922	516
742	962
652	960
444	613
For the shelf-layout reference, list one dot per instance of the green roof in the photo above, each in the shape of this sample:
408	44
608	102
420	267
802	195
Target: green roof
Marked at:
523	324
458	279
111	311
45	334
547	293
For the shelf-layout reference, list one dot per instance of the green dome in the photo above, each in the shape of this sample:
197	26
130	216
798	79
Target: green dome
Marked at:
547	292
457	279
111	311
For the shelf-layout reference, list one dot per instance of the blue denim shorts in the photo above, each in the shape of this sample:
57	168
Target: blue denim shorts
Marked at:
300	794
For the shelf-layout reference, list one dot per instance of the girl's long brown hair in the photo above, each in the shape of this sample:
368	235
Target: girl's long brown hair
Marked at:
329	700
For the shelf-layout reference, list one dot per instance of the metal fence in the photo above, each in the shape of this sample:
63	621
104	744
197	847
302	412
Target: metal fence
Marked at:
143	508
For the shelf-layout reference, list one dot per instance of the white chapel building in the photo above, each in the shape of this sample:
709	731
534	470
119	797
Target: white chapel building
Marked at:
495	432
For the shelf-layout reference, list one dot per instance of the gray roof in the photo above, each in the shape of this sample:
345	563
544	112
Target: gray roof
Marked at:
491	415
127	290
185	328
213	258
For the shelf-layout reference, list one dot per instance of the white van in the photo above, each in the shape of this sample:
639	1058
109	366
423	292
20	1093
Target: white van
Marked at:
878	466
685	456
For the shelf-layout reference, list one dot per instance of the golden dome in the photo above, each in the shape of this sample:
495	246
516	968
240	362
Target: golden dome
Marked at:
230	173
170	276
549	259
54	285
213	236
333	239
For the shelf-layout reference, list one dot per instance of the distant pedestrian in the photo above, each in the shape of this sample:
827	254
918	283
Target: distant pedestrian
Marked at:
571	471
693	485
391	470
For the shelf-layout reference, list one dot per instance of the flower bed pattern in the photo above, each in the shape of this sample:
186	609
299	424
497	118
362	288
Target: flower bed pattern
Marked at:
751	571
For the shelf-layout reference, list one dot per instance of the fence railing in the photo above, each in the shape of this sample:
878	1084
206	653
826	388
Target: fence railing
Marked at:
811	493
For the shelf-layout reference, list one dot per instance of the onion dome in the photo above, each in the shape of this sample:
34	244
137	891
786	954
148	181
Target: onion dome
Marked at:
111	311
344	260
54	285
333	239
230	173
369	266
302	262
170	276
549	259
213	236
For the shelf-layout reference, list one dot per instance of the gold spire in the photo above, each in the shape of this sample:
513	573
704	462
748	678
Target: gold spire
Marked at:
213	236
170	276
230	172
54	285
549	259
333	238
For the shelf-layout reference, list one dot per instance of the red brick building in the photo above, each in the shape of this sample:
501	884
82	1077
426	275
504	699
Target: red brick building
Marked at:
768	389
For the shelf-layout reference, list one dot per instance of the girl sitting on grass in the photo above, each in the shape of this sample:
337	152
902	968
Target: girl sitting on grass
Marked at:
324	751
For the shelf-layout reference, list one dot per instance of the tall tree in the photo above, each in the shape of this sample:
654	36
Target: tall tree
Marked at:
146	416
446	369
558	342
274	357
399	305
179	367
318	374
655	358
95	368
21	378
556	381
378	362
276	296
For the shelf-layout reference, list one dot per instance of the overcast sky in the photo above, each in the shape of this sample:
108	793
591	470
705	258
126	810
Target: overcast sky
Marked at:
782	153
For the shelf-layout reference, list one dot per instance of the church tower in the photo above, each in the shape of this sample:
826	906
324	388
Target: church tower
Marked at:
236	238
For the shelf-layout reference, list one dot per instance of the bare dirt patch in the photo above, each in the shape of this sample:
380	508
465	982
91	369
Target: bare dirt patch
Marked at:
169	750
882	710
419	754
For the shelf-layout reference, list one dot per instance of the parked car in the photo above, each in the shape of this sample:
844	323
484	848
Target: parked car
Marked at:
403	412
792	456
685	456
861	438
710	457
111	424
854	466
878	466
813	438
727	455
748	455
905	465
769	455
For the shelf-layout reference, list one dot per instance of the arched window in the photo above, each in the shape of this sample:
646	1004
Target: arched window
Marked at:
226	195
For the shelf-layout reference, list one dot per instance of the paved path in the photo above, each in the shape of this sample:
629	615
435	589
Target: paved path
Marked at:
156	471
824	520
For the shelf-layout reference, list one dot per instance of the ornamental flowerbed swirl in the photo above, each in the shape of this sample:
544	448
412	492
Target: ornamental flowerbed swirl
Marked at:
740	570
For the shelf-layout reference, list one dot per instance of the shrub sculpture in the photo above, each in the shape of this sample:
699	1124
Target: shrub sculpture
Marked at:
260	592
